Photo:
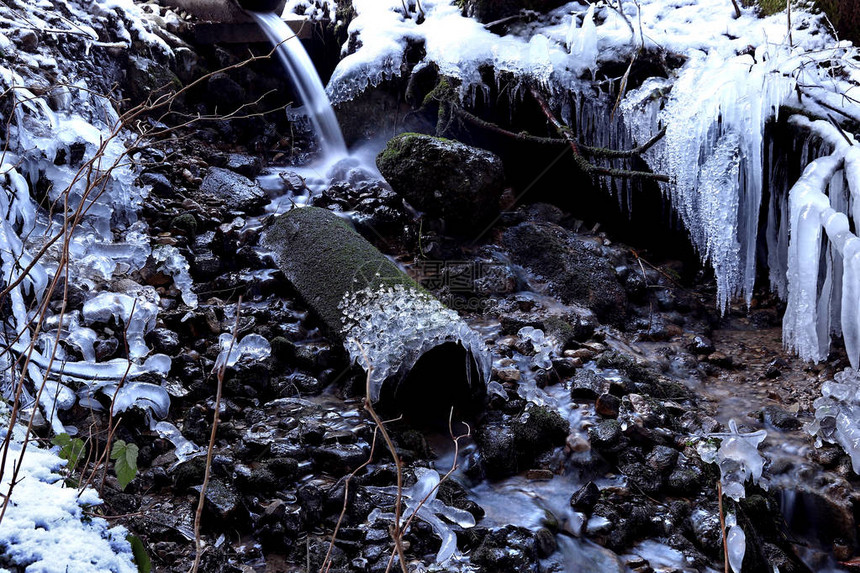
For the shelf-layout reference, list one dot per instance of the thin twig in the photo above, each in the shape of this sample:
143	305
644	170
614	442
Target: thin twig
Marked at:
723	527
198	515
585	165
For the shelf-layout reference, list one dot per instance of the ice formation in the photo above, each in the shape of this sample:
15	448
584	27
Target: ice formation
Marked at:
736	543
420	500
737	457
736	76
171	262
70	140
252	347
837	415
391	327
542	346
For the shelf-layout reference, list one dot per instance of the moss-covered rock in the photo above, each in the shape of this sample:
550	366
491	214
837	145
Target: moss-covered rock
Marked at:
325	258
445	179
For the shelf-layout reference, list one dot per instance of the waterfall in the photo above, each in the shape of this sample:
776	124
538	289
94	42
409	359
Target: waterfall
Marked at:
305	81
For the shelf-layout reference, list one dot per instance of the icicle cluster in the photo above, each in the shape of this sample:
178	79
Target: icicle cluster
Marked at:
837	415
391	327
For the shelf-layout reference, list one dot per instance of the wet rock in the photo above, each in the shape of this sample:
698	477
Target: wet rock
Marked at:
237	192
164	341
585	497
339	459
537	430
662	458
576	271
159	182
224	93
607	437
545	542
247	165
457	183
779	418
498	452
706	529
221	500
645	408
146	78
205	265
184	224
587	385
644	477
701	345
106	348
607	405
686	478
507	550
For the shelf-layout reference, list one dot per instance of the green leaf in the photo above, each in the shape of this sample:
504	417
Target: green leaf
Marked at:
71	449
141	559
125	462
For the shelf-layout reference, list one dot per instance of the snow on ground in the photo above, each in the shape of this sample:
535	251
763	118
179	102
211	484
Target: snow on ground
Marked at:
48	527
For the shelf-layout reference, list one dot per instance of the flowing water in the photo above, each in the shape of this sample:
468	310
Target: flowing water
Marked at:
306	82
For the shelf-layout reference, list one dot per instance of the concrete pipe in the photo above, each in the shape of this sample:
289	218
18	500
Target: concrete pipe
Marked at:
227	22
424	358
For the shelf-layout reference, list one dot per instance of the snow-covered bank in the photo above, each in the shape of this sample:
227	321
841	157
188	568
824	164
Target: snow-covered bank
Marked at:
736	75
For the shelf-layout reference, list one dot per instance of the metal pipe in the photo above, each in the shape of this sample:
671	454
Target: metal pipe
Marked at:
423	358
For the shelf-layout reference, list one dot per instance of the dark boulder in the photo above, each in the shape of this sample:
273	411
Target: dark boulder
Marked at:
445	179
237	192
574	269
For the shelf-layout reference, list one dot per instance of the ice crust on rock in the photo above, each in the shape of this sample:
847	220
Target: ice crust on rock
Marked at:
420	500
837	415
252	347
738	459
541	344
171	262
389	328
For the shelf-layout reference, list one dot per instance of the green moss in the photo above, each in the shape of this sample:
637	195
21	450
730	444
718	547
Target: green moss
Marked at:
325	258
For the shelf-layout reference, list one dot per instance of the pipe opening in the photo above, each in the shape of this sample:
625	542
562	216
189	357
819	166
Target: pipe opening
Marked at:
446	376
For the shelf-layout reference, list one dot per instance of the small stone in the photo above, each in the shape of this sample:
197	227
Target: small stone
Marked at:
607	436
577	444
779	418
583	354
720	359
701	345
662	458
508	374
607	405
539	475
585	497
587	385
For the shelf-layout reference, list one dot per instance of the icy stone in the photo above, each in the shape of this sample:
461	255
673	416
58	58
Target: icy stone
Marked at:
252	347
837	415
171	262
739	460
184	448
135	313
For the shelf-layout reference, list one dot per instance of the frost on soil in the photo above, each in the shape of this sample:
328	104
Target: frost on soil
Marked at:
47	527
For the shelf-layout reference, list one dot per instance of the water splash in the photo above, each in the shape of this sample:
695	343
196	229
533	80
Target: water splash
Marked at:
305	80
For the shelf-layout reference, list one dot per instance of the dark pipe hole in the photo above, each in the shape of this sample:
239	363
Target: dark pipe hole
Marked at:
439	381
259	5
